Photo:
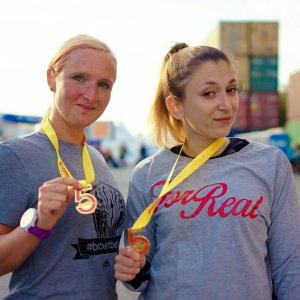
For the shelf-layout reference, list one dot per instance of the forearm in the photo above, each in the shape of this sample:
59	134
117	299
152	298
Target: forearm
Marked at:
15	247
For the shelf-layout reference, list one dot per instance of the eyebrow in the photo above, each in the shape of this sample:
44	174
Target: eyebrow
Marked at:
214	83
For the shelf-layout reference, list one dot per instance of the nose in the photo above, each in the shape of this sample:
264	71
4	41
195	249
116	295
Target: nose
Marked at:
225	102
90	93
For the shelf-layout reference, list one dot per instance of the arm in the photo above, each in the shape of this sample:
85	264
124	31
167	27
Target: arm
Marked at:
53	200
284	235
138	276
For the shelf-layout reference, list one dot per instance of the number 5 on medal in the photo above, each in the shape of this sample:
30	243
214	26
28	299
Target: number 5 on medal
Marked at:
138	242
88	206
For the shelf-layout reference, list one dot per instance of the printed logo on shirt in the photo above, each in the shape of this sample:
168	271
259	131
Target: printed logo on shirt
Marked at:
108	217
208	197
106	264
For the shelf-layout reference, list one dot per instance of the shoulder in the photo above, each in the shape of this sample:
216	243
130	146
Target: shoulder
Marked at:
23	146
153	164
266	156
267	149
23	141
12	145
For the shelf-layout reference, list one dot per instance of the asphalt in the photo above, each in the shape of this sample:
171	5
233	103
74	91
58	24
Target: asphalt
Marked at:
122	176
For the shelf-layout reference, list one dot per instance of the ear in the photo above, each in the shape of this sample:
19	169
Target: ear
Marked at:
51	78
174	108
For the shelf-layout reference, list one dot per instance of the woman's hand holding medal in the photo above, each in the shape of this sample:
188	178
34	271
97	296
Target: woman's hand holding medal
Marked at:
54	197
128	264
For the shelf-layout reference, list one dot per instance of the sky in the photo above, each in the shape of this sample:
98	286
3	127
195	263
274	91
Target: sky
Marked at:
139	32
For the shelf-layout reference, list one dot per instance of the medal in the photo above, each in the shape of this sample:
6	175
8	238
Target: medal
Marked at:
90	205
140	243
87	203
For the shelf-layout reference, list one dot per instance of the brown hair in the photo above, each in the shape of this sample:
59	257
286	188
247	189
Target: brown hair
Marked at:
178	64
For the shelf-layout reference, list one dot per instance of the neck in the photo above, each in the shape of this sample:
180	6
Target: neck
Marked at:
67	133
194	148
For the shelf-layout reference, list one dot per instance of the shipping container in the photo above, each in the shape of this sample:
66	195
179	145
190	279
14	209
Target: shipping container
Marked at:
263	38
243	71
293	98
263	74
234	37
245	38
230	37
241	120
263	111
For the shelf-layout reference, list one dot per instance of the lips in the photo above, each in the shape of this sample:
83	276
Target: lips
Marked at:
224	120
85	107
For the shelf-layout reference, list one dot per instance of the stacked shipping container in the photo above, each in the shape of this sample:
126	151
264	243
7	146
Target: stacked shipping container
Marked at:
255	49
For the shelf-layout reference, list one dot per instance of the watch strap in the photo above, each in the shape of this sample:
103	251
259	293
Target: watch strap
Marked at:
40	233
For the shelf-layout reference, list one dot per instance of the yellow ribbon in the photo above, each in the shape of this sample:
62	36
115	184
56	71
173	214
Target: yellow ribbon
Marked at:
64	172
145	217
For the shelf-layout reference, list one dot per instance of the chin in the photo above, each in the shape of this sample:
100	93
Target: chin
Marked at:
221	134
84	121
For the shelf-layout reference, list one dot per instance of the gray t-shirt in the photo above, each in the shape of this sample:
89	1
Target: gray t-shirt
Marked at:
77	260
226	232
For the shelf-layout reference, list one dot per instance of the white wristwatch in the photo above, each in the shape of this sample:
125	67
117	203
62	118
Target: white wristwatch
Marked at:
28	223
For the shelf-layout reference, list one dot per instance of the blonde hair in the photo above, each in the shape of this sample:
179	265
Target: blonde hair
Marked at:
177	66
80	41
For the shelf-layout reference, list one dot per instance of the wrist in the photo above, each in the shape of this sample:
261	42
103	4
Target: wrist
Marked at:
28	223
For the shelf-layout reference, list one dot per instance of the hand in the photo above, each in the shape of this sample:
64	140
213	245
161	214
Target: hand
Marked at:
128	264
53	200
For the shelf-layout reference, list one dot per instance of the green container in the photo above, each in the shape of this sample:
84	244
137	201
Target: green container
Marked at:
293	130
263	74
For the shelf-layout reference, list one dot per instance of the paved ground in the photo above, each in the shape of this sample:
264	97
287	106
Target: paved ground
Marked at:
122	176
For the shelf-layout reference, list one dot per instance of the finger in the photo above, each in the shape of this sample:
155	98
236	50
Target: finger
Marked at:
66	181
143	261
124	277
130	252
127	262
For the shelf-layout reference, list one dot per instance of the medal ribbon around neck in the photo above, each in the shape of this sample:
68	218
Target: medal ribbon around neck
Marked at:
138	241
83	207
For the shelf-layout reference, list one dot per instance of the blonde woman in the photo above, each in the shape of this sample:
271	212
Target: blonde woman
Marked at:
60	190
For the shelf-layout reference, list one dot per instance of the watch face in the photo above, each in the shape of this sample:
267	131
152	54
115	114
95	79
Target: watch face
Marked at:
27	218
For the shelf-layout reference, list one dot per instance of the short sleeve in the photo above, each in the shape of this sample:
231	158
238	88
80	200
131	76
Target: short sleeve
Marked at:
16	188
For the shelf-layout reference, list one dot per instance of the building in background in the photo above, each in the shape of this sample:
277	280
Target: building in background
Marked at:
15	125
107	137
293	109
254	46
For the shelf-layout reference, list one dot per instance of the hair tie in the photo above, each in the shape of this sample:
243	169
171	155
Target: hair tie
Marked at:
179	46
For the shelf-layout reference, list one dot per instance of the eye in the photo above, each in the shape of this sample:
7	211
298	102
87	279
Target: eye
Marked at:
104	85
208	94
232	90
78	78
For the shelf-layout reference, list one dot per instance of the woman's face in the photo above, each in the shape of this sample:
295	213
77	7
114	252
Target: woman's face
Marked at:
211	101
83	88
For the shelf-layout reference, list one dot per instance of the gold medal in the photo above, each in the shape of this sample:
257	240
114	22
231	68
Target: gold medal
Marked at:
138	242
90	205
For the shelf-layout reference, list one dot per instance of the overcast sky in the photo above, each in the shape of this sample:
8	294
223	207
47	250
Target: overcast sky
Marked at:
139	32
